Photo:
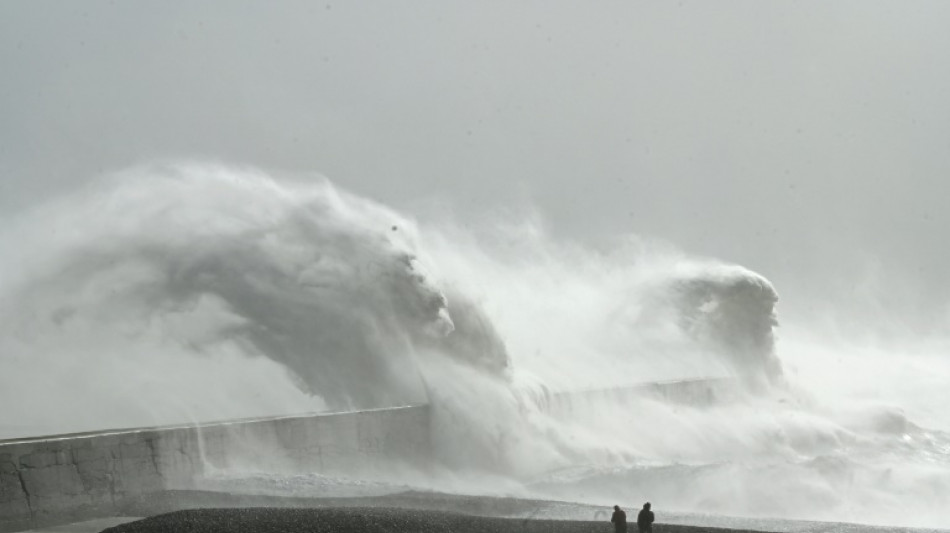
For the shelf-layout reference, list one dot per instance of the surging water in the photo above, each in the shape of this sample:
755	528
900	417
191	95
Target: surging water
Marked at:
203	292
843	433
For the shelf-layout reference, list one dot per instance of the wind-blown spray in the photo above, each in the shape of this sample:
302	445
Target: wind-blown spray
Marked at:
200	292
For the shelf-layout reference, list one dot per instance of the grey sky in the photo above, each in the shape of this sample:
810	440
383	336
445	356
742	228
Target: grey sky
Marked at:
807	140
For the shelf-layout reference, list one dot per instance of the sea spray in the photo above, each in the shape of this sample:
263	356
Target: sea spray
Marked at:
170	294
173	293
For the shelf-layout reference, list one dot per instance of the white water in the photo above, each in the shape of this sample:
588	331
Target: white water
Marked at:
198	292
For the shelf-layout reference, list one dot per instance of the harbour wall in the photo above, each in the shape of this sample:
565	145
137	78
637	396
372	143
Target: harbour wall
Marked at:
54	480
687	392
60	479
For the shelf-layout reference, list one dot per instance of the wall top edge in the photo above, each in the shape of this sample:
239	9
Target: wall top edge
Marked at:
196	425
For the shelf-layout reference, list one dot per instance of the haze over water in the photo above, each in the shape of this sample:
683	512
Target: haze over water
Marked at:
200	292
530	187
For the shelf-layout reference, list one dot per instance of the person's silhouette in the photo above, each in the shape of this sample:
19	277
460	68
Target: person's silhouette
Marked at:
619	519
645	519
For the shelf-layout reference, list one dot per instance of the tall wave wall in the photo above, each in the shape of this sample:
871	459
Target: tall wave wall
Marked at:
186	293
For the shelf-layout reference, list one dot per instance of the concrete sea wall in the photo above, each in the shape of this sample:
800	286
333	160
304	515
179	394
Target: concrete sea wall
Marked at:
60	479
689	392
55	480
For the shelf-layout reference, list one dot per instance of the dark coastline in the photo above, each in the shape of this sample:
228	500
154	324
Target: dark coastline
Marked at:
365	520
197	511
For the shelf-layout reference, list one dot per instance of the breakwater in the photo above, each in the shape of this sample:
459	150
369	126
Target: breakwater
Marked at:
688	391
52	480
66	478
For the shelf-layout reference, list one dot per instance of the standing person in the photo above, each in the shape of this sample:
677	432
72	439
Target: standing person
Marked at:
619	520
645	519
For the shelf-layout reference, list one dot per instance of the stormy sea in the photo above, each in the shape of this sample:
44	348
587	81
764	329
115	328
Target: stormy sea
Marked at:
197	292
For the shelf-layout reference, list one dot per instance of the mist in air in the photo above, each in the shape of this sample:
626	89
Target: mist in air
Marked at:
526	202
201	292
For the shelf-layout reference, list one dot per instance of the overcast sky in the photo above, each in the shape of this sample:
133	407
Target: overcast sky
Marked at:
809	141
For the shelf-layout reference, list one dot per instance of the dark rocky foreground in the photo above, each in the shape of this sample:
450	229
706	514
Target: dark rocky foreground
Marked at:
424	512
362	520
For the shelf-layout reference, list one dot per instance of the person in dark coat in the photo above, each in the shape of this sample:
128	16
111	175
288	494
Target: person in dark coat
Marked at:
619	520
645	519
